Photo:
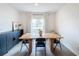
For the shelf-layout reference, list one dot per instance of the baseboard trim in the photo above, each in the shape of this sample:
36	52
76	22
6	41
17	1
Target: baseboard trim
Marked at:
70	49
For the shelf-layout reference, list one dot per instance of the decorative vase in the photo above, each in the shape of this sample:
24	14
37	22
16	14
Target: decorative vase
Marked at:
40	33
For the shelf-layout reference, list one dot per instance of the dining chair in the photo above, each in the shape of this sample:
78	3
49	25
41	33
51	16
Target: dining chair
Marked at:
40	42
57	41
24	42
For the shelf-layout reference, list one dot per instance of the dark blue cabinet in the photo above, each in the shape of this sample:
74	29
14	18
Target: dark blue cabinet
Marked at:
8	40
3	43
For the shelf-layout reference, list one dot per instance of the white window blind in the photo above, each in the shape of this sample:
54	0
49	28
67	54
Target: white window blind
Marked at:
37	23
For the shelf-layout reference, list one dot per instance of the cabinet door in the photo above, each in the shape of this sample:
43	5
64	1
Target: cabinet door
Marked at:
9	40
3	49
16	37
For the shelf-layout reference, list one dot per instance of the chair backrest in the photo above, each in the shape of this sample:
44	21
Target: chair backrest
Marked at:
40	39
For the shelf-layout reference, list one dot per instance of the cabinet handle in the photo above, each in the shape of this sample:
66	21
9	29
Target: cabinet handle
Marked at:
13	39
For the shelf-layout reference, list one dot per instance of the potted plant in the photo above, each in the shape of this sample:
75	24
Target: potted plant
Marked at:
40	32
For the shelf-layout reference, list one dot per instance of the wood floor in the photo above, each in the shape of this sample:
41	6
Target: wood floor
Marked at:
15	51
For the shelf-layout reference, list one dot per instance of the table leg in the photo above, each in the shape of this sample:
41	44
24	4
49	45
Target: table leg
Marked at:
30	46
51	44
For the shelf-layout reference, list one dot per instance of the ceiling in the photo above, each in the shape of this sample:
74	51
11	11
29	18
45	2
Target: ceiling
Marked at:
40	7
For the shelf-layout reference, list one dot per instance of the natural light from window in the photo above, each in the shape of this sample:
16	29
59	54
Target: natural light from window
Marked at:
37	24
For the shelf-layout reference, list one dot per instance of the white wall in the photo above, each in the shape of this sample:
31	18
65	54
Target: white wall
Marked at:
7	15
50	22
67	24
25	18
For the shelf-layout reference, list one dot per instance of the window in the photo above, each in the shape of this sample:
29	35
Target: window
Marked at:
37	24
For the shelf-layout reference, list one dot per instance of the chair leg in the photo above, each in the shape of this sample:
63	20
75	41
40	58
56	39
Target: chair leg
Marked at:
45	50
60	46
35	51
26	46
21	47
55	46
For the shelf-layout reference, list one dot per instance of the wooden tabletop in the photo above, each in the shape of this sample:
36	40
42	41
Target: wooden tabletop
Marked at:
44	35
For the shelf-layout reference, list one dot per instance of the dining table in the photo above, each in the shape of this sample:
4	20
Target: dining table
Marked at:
30	36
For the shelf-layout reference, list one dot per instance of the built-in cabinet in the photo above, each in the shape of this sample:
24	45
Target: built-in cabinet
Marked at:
9	40
3	44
